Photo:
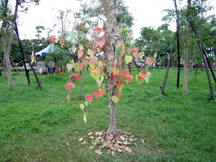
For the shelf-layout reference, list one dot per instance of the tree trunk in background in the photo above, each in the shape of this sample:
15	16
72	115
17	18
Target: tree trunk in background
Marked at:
178	58
168	65
186	66
6	50
7	30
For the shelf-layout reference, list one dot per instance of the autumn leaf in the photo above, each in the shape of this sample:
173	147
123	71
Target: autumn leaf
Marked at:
77	67
89	98
137	56
82	106
147	77
84	118
62	42
68	97
93	59
95	73
52	39
101	42
139	78
81	67
125	73
80	54
101	92
74	77
115	70
132	51
120	63
128	59
143	73
150	60
98	30
115	99
129	79
69	86
81	47
96	94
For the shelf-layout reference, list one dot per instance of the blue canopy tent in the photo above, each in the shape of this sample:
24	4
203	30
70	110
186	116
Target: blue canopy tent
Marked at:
47	50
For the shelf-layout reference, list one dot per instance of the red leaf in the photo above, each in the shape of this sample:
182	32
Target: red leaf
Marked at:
52	39
93	59
129	35
89	98
101	42
129	79
125	73
98	30
120	63
74	77
134	50
101	92
120	43
80	54
69	86
68	97
96	94
137	56
82	66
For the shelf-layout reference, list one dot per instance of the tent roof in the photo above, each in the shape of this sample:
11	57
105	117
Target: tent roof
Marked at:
47	50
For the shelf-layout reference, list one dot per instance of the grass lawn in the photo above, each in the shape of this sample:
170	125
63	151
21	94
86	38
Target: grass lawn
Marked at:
35	125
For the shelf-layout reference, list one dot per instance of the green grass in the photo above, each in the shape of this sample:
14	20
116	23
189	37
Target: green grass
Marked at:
35	125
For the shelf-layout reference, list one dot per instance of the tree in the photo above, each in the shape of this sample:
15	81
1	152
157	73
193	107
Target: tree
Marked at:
7	31
39	31
114	53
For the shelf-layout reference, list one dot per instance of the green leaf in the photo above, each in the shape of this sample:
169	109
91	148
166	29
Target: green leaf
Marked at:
73	35
117	49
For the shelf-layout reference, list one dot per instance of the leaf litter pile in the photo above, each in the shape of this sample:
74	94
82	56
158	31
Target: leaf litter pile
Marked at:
121	142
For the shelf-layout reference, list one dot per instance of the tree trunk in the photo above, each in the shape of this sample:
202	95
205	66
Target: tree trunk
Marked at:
6	50
186	66
25	55
7	37
168	65
82	83
109	56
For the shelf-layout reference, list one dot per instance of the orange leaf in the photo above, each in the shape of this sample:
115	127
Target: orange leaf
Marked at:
143	73
150	60
139	78
62	42
115	70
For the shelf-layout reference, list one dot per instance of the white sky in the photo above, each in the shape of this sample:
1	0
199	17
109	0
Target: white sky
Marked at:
145	12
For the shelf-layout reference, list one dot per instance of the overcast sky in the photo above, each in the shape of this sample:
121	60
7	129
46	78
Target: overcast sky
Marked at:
145	12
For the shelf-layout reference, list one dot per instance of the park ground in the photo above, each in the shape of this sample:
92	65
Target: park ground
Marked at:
41	125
